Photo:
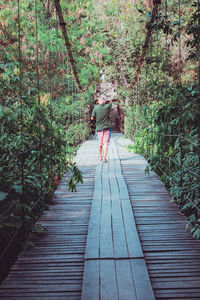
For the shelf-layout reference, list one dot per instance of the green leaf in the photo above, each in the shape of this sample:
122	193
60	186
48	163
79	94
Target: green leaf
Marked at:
17	188
3	195
27	245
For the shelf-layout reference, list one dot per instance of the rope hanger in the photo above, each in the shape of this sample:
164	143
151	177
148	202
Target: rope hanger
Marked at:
68	45
140	62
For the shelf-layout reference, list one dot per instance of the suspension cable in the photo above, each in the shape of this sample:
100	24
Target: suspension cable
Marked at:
156	4
68	45
21	111
198	72
39	100
50	85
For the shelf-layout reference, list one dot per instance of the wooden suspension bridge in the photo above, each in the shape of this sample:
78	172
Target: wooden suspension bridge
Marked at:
117	237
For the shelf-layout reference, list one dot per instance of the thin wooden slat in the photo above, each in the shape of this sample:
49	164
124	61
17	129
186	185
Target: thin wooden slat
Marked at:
71	295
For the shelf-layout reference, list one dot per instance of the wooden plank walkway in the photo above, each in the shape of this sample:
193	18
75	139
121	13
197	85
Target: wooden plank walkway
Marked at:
115	267
54	268
171	254
106	240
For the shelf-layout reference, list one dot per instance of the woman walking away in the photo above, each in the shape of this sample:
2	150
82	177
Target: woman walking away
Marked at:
103	125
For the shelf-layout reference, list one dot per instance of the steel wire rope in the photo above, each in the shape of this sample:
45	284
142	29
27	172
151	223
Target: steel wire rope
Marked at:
63	71
78	114
74	112
68	99
194	205
68	46
7	210
20	91
40	188
179	91
173	135
66	88
21	110
79	119
61	88
165	64
198	72
144	126
70	89
157	80
156	4
178	164
50	88
20	101
72	129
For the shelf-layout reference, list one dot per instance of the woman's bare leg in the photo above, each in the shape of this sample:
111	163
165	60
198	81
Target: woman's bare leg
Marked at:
100	151
105	151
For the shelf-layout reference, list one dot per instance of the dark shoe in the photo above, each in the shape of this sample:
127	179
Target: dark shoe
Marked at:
105	161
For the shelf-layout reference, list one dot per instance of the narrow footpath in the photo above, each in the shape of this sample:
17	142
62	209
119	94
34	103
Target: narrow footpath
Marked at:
117	237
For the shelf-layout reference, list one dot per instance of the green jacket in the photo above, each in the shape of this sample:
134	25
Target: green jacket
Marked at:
101	114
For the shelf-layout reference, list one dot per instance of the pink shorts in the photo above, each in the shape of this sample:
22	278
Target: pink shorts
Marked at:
104	137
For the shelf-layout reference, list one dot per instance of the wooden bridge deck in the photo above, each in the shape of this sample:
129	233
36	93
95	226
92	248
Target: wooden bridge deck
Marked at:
93	250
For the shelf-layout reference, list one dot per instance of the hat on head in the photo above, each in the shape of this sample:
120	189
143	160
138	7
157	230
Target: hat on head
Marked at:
101	99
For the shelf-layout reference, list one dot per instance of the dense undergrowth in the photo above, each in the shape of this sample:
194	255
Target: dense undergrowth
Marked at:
38	143
169	140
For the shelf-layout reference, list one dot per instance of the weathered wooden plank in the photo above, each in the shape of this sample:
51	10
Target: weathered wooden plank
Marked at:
133	241
93	243
91	286
114	188
124	195
108	283
106	240
119	237
44	296
143	286
126	287
40	288
118	169
98	184
105	184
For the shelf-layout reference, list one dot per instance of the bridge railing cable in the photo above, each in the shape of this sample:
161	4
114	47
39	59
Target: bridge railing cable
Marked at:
180	164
